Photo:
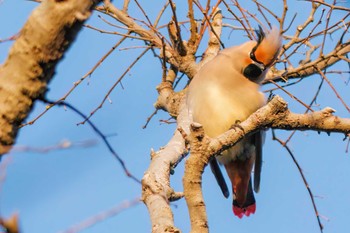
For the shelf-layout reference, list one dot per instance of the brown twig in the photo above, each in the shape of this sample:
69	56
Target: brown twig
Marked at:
180	47
114	85
100	134
248	30
88	74
307	110
149	118
63	145
292	96
334	89
333	6
91	221
193	28
238	6
161	12
284	144
210	24
11	38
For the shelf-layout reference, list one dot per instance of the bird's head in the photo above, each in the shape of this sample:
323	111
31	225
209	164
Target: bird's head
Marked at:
259	55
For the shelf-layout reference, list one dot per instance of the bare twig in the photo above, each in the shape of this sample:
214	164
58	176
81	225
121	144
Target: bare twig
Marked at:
333	88
149	118
179	44
88	74
114	85
63	145
303	177
248	30
93	220
100	134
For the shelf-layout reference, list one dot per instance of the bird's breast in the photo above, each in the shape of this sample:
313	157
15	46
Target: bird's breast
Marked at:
218	106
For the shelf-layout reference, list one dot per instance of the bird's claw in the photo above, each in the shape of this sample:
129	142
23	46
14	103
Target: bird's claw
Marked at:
237	125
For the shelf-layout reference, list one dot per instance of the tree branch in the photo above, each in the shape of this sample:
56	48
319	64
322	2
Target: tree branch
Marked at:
312	67
185	64
274	115
31	63
156	190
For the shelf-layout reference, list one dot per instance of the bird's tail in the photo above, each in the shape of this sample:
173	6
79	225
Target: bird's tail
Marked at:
239	172
249	205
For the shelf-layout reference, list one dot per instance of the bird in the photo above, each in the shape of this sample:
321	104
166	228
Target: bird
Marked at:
226	91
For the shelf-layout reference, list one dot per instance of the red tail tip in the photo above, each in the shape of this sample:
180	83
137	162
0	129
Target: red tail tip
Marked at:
240	212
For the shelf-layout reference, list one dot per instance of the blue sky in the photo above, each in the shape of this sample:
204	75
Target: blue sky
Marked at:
55	190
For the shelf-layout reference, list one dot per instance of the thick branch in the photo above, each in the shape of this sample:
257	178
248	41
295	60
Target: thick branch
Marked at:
274	115
192	180
31	63
156	190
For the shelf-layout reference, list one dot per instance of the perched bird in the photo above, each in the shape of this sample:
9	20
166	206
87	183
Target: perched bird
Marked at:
226	91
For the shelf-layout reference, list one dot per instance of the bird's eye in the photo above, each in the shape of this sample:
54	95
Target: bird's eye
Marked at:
252	72
252	56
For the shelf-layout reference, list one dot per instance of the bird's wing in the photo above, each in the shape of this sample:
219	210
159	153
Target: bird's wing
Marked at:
219	177
258	141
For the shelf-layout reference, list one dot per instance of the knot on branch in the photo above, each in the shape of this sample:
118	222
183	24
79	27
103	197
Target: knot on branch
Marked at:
278	105
275	110
168	100
174	196
176	40
328	111
165	86
197	131
171	229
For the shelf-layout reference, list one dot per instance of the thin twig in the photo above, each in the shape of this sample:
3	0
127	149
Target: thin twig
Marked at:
209	23
291	95
63	145
283	144
333	88
99	133
88	74
149	118
239	20
114	85
161	14
89	222
307	110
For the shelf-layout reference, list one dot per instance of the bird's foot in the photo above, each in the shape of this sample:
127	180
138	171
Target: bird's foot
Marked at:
237	125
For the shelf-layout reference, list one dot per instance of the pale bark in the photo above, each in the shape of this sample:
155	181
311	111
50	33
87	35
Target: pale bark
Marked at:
31	62
156	190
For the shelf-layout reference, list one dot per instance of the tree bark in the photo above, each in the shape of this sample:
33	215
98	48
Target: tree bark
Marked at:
31	62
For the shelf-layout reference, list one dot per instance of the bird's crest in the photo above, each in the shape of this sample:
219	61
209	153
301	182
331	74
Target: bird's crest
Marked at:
268	46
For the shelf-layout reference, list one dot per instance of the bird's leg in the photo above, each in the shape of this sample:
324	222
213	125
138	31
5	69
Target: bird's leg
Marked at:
271	96
237	125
